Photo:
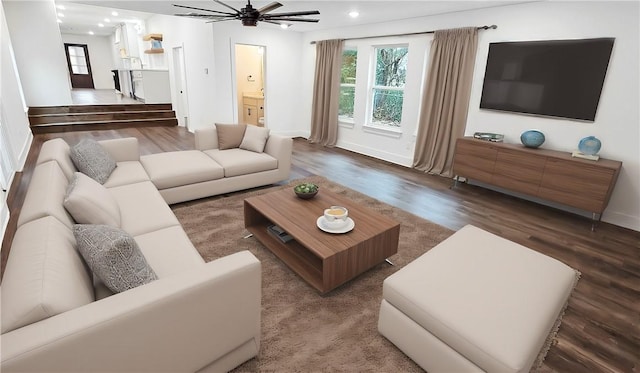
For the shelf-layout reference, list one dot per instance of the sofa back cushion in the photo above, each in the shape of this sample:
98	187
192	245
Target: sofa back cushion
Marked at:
230	135
91	203
45	275
45	194
57	150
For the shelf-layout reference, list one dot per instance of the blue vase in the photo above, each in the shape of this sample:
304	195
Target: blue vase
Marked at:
532	138
589	145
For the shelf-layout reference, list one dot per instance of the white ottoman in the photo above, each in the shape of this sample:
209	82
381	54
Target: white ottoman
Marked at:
475	302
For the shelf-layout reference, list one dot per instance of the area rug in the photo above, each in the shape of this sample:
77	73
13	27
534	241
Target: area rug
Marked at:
303	331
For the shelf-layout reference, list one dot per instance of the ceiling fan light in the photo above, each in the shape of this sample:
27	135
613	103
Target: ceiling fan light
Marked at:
284	26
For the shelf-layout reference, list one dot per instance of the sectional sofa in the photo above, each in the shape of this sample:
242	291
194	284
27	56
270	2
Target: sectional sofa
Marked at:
58	315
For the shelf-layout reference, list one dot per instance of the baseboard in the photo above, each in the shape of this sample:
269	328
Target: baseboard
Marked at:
622	220
24	152
376	153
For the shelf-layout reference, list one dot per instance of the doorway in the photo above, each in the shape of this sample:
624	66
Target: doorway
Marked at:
250	84
180	87
79	65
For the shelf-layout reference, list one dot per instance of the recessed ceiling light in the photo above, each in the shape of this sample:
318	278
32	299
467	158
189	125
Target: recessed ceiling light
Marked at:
107	20
61	7
115	14
60	14
353	14
100	25
284	26
59	20
90	32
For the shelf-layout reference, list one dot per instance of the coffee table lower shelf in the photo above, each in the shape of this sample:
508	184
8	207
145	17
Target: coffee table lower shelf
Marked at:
296	256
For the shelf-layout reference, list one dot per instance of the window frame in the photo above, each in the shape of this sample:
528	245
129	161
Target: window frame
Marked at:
342	119
369	124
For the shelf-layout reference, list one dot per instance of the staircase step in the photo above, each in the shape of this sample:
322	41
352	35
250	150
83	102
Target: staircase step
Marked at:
102	125
98	116
39	110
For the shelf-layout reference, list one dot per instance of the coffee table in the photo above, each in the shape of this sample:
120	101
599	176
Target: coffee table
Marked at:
324	260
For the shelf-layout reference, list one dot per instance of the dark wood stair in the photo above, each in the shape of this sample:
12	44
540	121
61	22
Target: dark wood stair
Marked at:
48	119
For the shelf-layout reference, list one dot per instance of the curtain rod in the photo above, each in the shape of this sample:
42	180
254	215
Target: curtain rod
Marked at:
493	27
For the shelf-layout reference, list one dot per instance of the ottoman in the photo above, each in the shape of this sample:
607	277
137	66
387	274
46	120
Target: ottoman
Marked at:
475	302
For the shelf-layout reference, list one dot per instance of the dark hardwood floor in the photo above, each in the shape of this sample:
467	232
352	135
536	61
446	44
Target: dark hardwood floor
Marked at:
601	327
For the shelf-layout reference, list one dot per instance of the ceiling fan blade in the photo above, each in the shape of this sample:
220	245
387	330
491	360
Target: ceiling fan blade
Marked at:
289	19
275	23
196	15
267	8
294	14
203	10
228	6
220	20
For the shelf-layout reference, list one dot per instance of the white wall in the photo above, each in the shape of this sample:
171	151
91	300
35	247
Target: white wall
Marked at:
15	135
196	38
617	120
283	74
100	57
39	51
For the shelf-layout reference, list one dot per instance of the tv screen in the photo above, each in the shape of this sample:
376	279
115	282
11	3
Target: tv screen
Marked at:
558	78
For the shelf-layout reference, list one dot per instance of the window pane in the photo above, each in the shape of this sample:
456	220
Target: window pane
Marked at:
347	84
76	51
391	66
78	69
345	107
348	71
387	107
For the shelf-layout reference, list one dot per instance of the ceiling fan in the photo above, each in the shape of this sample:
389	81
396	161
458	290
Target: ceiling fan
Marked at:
249	16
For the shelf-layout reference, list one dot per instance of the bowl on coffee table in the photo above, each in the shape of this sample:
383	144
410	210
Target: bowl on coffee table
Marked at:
306	190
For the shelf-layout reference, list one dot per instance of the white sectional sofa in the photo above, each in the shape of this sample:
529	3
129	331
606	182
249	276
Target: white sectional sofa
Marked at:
197	316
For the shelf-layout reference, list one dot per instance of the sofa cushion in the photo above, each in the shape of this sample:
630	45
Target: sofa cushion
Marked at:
114	256
242	162
45	194
128	172
57	150
230	135
93	160
173	169
169	251
142	208
255	139
91	203
44	276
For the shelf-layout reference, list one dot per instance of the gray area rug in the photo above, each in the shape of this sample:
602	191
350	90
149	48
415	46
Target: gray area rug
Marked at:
303	331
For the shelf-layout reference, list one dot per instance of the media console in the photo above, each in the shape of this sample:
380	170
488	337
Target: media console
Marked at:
547	174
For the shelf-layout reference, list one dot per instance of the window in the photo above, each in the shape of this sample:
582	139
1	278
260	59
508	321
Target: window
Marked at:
387	92
347	85
77	60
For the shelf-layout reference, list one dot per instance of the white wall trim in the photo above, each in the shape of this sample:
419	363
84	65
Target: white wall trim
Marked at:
24	152
376	153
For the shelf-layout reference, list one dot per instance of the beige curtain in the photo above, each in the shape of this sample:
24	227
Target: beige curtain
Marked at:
326	88
445	99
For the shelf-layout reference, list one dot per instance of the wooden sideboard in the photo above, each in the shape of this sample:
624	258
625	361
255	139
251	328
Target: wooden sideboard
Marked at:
547	174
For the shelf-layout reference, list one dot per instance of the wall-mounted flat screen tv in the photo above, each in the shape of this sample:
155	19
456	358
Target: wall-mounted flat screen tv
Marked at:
557	78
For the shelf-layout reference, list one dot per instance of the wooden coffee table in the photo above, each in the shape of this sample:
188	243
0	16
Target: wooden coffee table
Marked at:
324	260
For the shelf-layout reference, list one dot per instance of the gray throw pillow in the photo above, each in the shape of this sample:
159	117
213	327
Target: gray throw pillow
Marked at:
91	159
114	256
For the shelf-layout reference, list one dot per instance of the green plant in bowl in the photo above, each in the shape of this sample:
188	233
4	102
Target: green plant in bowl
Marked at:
306	190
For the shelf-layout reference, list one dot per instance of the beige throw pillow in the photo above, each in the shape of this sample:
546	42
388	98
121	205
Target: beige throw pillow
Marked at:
255	138
89	202
230	135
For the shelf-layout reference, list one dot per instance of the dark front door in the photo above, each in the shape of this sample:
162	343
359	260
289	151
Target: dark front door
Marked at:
79	66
